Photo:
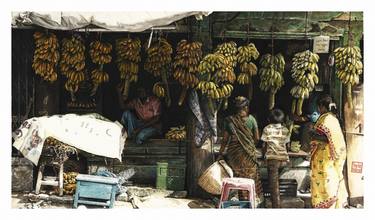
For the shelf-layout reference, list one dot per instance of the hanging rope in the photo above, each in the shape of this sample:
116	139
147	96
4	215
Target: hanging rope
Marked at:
306	30
248	28
350	36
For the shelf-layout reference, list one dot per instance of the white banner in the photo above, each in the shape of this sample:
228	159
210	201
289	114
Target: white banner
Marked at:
86	133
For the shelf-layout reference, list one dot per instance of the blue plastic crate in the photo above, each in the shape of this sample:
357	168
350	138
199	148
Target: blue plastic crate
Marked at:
236	205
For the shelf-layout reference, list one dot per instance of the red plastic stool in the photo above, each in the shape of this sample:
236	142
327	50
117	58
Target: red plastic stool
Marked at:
240	184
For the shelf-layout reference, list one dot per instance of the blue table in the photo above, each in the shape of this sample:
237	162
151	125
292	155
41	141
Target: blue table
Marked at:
95	190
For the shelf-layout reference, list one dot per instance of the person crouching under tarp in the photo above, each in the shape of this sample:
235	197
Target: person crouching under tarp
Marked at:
141	116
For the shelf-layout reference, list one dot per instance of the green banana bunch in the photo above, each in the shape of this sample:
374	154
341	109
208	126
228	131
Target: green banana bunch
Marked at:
304	73
271	75
349	68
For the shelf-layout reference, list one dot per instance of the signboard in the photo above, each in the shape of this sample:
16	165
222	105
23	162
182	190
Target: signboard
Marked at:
321	44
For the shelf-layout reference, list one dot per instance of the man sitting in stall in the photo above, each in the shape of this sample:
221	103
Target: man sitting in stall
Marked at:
141	116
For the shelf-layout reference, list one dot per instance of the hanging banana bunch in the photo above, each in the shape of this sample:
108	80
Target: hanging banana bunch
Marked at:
186	65
159	90
271	75
216	78
128	57
72	63
349	68
304	73
229	51
100	54
70	182
247	54
46	56
158	63
176	133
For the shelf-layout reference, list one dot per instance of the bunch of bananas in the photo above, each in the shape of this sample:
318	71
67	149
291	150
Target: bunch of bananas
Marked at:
216	76
176	133
46	56
212	90
186	64
100	54
72	62
229	51
158	57
158	63
304	73
247	54
271	75
70	182
158	89
349	68
128	56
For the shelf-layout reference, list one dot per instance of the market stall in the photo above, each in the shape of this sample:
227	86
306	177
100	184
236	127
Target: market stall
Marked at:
196	63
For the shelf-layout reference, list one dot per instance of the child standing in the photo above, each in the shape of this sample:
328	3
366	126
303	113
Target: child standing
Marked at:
275	137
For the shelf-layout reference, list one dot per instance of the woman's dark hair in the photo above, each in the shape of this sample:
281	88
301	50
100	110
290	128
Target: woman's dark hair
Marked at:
276	116
325	100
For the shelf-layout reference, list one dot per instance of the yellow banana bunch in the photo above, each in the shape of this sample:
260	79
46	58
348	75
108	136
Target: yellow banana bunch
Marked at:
72	62
349	68
186	64
158	57
158	63
247	54
176	133
128	57
158	90
229	51
46	56
304	73
271	75
100	52
70	182
99	76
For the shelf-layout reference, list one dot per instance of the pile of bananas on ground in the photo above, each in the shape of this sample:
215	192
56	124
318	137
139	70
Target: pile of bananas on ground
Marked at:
349	68
46	56
70	183
176	133
247	54
158	63
72	62
304	73
128	56
159	90
87	105
100	54
271	75
186	65
229	50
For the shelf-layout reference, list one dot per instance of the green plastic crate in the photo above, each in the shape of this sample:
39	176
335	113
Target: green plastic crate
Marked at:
170	176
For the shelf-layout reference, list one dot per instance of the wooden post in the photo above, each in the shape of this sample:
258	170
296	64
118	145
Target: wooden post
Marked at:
354	142
198	160
61	179
39	179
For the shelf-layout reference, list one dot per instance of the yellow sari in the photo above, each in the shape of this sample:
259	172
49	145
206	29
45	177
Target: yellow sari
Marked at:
327	161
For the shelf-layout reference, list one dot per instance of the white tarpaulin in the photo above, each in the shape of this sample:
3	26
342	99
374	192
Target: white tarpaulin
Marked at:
115	21
87	133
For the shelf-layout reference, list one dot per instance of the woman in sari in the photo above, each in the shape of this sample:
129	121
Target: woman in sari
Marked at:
328	155
241	152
